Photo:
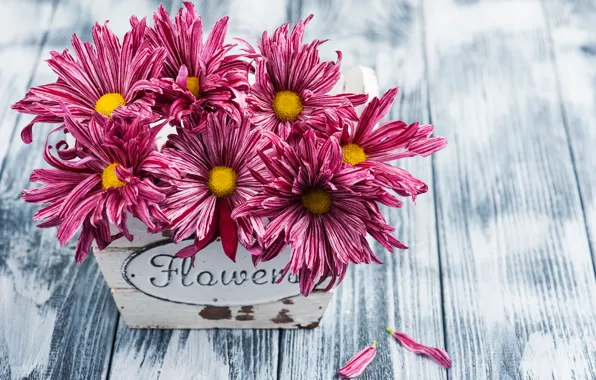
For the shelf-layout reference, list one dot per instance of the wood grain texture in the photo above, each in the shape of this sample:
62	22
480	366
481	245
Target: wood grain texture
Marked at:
404	292
195	354
21	44
220	354
573	32
57	319
518	284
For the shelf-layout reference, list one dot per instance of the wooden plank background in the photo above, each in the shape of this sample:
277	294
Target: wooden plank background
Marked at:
500	269
518	280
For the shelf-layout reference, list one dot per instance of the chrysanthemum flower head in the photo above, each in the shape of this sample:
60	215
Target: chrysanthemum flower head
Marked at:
100	79
198	77
111	172
292	85
319	206
365	145
217	165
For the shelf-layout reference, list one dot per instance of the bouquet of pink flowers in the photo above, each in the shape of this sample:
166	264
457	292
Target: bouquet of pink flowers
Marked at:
265	163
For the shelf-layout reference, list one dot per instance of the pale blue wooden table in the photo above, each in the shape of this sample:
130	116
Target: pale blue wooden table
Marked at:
500	269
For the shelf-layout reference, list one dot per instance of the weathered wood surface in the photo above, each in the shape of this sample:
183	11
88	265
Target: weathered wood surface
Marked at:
504	277
573	32
195	354
518	280
23	45
57	319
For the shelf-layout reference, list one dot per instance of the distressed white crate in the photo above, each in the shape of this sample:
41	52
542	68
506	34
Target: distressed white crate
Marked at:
153	289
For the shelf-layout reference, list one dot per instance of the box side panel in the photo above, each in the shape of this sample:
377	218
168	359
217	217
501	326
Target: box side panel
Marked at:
110	263
142	311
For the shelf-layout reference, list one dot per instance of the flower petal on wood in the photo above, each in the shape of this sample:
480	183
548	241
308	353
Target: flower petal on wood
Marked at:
358	363
438	355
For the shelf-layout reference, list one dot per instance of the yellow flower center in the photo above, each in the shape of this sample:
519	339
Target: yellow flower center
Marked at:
222	181
287	105
109	178
353	154
108	103
317	201
192	83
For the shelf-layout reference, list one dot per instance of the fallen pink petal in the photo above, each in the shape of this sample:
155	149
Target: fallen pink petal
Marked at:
438	355
358	363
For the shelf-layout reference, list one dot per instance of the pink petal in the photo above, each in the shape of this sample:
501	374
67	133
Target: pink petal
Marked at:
374	112
358	363
185	252
210	233
84	242
227	229
189	251
439	355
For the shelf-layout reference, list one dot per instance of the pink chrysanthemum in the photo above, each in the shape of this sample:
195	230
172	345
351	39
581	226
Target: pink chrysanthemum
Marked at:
100	79
292	84
111	175
197	77
217	179
319	206
364	145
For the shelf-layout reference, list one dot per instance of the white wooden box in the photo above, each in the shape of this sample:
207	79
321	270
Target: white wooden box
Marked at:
153	289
